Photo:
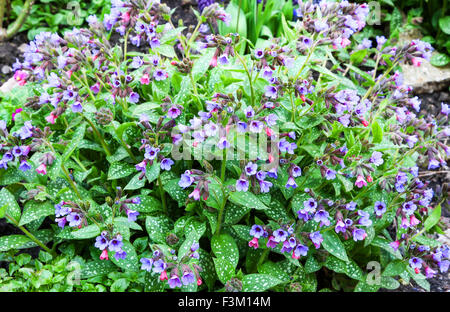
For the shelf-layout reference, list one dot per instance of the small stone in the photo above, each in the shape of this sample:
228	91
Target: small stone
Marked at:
6	69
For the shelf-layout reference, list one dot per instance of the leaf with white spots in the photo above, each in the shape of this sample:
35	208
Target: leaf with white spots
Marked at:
12	207
175	191
77	137
96	268
227	256
234	213
209	273
333	245
131	262
120	170
349	268
86	232
148	204
34	210
247	199
152	171
135	183
158	227
259	282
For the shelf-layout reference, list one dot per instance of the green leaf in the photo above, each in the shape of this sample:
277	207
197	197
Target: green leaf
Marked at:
259	282
439	59
120	170
130	262
247	199
350	268
444	24
152	171
77	137
227	256
377	132
333	245
158	227
175	191
384	244
394	268
201	65
12	207
148	204
358	56
433	219
13	242
120	285
312	265
362	286
34	210
86	232
98	267
135	183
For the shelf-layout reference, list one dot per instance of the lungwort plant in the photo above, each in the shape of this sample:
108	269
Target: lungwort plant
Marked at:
193	166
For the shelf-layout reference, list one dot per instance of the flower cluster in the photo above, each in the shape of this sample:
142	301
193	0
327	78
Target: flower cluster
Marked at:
177	271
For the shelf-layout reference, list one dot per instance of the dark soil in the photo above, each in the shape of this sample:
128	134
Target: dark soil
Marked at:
9	51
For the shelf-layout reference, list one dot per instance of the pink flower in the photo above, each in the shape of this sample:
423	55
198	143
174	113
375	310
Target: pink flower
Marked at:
395	245
413	220
145	79
163	276
13	115
195	194
104	255
253	243
213	62
199	281
405	223
429	272
51	118
360	182
42	169
21	77
416	61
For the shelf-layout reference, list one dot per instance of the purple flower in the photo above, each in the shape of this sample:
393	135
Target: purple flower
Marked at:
380	208
340	227
147	264
316	238
415	263
251	168
322	217
265	186
310	205
330	174
101	242
376	158
159	266
151	152
242	185
24	166
359	234
296	171
166	164
300	250
271	243
259	53
132	215
74	219
188	278
223	143
350	206
160	74
256	231
291	183
280	235
173	112
77	107
134	97
115	244
320	26
271	92
137	62
256	126
444	109
186	180
365	218
409	208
